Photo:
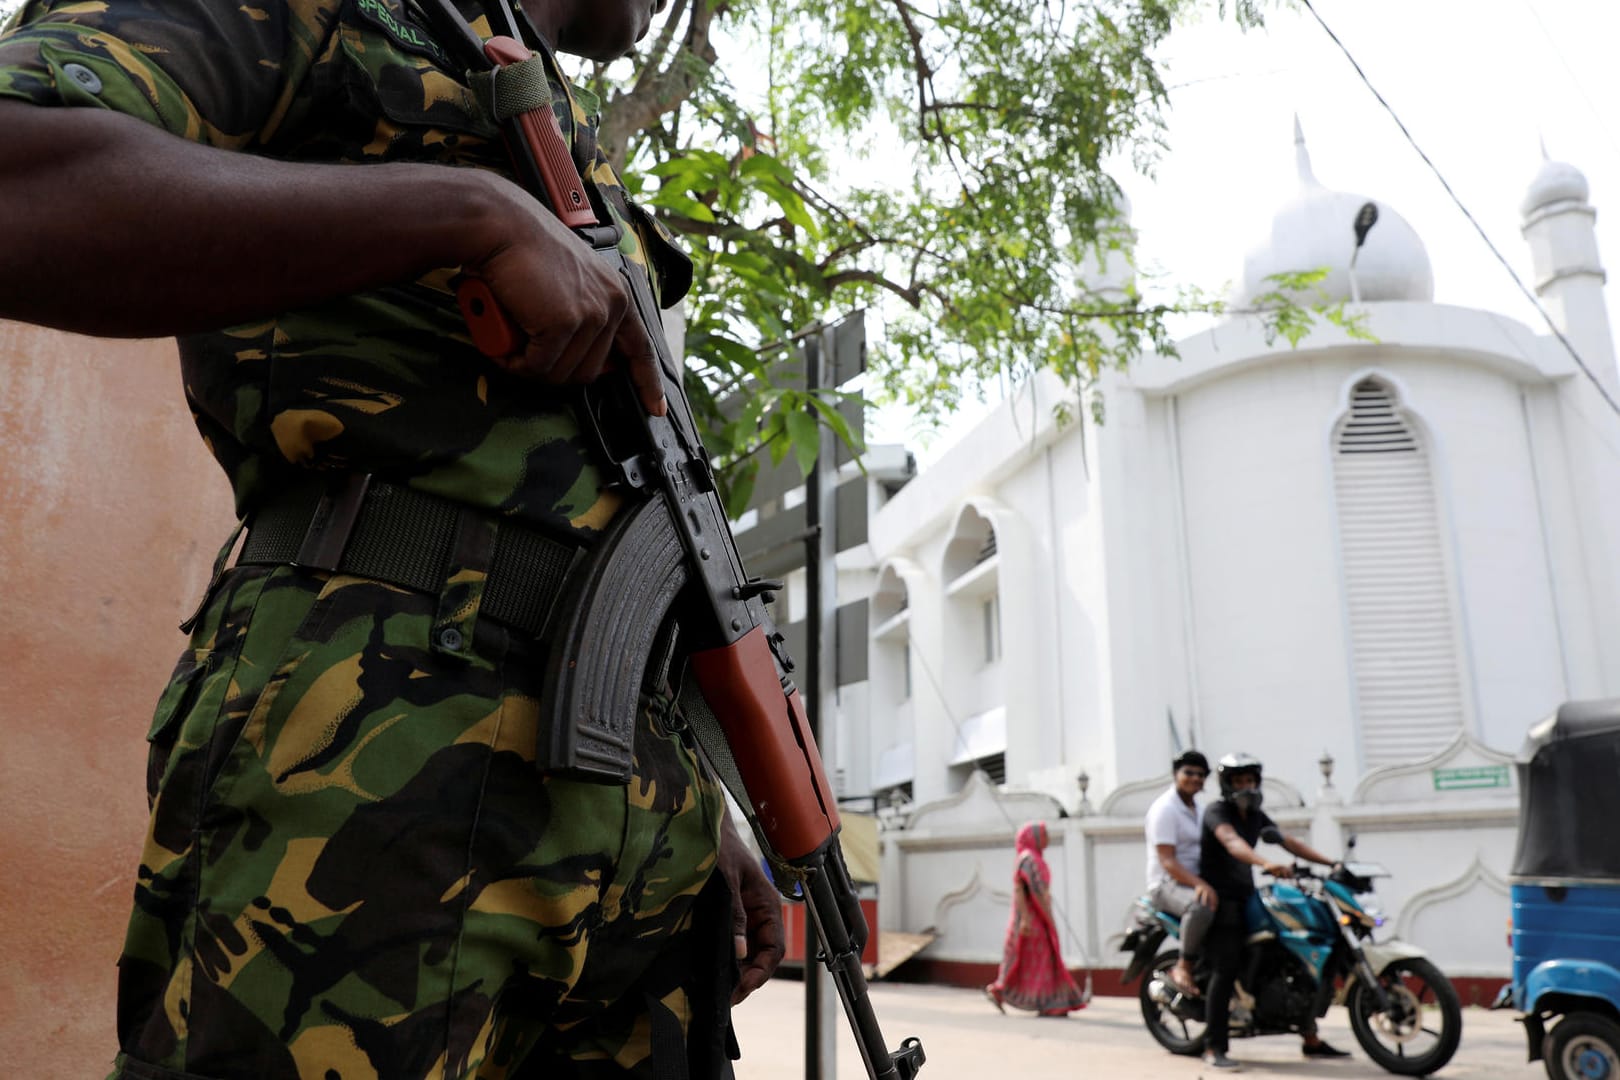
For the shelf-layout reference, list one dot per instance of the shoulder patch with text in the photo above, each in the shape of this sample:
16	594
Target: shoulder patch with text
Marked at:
400	29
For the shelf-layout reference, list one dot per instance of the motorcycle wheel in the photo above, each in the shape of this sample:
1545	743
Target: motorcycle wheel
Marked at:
1583	1046
1421	1031
1176	1033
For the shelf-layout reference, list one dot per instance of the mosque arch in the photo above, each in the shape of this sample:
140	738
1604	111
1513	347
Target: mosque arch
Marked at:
972	544
974	684
890	597
893	669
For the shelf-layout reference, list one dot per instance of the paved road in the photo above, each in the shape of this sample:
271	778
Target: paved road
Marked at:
966	1038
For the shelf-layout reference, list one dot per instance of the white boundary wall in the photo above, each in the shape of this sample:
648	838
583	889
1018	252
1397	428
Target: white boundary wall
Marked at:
949	869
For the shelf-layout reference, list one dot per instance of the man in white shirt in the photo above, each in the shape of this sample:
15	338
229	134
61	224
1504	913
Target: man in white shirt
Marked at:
1174	836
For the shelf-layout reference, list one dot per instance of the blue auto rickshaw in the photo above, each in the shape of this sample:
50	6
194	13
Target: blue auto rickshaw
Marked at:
1565	929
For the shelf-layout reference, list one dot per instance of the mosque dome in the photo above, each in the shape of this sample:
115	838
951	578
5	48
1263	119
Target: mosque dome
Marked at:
1317	230
1556	182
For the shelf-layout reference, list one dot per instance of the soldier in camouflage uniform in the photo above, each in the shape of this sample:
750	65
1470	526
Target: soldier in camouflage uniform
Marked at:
353	869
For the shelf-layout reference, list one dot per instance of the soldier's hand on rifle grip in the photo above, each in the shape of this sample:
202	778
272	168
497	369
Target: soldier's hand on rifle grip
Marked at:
544	307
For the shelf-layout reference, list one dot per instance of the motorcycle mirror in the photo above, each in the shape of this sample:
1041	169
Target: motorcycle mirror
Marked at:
1271	835
1350	843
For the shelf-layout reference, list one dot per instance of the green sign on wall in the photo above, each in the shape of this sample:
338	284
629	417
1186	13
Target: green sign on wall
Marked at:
1474	776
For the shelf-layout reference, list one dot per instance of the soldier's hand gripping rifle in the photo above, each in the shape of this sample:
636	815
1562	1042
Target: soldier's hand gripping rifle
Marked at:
670	552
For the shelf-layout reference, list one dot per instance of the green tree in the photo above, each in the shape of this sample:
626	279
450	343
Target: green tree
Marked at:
1005	114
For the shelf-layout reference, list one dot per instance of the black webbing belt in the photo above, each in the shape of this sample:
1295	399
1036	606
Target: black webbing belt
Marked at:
384	532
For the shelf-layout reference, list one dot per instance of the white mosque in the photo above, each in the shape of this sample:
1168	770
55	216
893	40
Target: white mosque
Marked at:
1374	563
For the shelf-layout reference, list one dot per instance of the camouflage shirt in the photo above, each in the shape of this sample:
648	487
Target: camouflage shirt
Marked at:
385	381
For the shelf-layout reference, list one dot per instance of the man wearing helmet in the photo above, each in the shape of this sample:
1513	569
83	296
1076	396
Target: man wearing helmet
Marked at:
1232	827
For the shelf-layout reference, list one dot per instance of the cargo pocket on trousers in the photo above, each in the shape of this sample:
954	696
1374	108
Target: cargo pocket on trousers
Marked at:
176	701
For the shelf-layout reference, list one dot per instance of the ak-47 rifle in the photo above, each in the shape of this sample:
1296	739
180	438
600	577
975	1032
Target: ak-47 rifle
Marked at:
670	553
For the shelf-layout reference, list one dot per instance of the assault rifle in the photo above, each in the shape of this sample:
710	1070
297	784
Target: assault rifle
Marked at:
671	552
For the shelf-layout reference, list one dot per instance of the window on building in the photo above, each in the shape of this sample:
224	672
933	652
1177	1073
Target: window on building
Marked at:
990	616
994	766
1403	627
987	550
906	672
898	795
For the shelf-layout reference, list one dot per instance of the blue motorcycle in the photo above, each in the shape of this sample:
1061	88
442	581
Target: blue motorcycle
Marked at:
1310	946
1565	929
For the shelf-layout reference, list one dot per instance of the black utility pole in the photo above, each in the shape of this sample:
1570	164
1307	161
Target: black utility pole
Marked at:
818	537
813	531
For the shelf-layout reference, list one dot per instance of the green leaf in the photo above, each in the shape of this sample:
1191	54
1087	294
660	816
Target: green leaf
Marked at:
805	435
741	488
680	203
835	420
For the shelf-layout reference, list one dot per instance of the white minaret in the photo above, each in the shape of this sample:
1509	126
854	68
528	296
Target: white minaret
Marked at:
1560	226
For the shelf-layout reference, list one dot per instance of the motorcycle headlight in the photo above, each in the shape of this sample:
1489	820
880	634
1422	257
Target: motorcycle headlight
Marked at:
1351	914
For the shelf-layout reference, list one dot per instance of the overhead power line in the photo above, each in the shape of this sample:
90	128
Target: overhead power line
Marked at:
1525	289
1598	114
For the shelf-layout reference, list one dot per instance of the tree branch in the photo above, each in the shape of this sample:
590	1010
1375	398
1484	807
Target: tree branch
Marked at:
911	294
652	98
653	58
920	64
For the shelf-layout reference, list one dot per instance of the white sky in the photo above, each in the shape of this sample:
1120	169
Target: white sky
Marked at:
1478	83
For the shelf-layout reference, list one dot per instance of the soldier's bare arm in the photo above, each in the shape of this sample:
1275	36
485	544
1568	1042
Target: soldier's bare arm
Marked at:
116	228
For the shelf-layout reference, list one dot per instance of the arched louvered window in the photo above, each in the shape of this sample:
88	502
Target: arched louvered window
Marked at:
1403	632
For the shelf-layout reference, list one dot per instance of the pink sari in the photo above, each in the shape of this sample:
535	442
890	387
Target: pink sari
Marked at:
1032	974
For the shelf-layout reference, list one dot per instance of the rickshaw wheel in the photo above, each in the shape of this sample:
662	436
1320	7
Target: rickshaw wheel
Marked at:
1583	1046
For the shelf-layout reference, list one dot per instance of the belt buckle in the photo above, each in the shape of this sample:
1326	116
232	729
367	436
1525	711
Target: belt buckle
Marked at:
333	521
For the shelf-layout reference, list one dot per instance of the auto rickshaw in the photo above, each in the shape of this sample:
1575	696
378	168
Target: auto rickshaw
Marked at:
1565	927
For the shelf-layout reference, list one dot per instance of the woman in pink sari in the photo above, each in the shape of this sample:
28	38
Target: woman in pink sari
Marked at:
1032	974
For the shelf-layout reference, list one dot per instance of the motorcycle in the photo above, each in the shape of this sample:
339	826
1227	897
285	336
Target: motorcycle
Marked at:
1310	945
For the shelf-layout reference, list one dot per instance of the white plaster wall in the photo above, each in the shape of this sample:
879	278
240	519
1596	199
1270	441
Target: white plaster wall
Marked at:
1058	494
1574	597
1475	425
1435	896
853	767
964	894
890	716
1272	665
1149	632
974	686
1050	704
1053	676
931	733
1273	670
1447	853
1589	433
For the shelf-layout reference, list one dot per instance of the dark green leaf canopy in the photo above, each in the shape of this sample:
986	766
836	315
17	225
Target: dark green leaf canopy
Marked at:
941	162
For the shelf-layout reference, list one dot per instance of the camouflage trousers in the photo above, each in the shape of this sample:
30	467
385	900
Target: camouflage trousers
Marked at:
353	870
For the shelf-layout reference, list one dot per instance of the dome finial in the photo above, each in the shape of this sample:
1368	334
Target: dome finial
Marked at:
1302	156
1555	182
1313	229
1544	155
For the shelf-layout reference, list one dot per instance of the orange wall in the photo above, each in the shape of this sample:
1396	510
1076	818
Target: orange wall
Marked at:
110	514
